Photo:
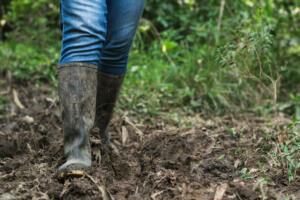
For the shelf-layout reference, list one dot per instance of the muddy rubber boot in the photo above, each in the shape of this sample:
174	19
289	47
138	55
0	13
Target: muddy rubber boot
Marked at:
77	87
107	94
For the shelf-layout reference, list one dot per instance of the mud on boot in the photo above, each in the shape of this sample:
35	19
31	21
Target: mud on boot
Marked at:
77	86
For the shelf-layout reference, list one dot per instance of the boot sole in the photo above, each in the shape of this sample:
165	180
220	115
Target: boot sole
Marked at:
71	174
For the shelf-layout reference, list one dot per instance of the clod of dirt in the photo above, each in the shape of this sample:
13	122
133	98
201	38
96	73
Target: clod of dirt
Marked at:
11	165
7	147
245	191
111	161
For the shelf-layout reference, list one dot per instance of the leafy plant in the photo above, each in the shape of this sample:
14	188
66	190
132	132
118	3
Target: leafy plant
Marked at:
291	150
188	56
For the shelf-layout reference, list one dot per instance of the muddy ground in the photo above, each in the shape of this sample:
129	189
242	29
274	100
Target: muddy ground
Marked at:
155	160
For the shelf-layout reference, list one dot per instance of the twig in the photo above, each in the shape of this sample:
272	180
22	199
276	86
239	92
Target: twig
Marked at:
138	131
124	135
95	141
273	81
154	195
16	100
105	194
238	196
66	185
29	149
183	194
220	18
9	80
7	175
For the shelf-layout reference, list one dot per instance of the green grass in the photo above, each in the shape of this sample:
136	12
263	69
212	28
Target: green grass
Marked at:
290	150
168	77
282	149
30	61
197	83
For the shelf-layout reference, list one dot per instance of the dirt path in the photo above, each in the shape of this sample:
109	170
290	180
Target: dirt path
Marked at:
224	159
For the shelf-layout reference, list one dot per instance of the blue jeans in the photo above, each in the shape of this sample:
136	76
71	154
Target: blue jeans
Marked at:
99	32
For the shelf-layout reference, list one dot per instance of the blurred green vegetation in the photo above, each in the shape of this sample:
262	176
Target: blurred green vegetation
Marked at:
190	56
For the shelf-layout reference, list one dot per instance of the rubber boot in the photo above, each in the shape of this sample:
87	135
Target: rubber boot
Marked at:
77	87
107	94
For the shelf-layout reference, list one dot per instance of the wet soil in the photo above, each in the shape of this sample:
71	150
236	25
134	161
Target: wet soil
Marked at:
147	161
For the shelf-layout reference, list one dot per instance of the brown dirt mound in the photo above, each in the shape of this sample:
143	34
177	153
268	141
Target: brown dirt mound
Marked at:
201	162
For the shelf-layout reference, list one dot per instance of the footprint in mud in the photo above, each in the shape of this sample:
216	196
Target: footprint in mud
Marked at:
177	147
112	163
75	188
177	152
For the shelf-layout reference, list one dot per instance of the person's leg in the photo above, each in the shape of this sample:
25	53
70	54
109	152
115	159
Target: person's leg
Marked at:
123	19
84	26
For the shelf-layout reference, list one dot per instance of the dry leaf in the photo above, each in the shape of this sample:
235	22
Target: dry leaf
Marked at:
237	163
221	189
280	139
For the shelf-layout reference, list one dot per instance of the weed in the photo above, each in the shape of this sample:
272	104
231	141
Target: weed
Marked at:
246	173
232	131
198	67
237	151
284	152
39	66
263	186
221	156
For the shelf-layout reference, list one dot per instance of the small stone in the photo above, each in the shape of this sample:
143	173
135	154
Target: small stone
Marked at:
28	119
49	100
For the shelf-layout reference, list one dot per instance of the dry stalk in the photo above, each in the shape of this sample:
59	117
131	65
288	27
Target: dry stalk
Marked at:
65	189
11	174
17	100
137	130
105	194
221	189
220	18
154	195
124	135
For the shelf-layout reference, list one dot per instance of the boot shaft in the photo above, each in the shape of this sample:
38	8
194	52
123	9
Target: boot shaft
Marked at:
77	86
108	90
